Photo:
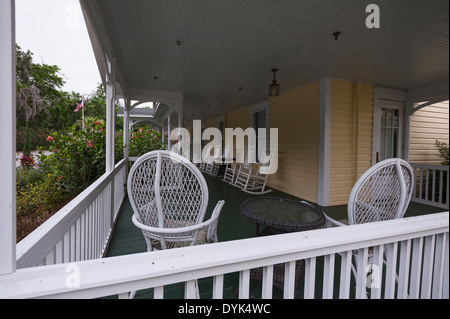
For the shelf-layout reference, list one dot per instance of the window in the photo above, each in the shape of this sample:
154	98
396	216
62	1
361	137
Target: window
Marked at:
259	119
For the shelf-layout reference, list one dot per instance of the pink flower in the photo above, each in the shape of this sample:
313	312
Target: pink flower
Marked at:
96	123
133	137
50	139
140	130
60	178
102	129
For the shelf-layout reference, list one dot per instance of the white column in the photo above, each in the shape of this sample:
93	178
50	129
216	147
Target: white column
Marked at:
169	146
110	114
180	117
324	142
8	137
126	128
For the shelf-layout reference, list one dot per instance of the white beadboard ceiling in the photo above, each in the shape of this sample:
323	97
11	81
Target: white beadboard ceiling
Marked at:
232	44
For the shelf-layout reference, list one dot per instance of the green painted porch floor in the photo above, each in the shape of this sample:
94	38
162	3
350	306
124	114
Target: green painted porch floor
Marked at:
127	239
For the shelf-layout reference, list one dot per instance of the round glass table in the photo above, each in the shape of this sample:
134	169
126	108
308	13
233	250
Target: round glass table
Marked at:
282	214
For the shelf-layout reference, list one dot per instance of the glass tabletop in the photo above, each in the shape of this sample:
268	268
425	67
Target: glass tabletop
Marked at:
283	214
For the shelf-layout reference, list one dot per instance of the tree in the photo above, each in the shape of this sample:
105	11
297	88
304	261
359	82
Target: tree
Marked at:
38	88
95	106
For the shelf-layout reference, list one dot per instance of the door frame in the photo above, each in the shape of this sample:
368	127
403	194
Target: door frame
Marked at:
382	99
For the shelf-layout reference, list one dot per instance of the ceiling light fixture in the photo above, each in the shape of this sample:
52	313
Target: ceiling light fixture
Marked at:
336	35
274	88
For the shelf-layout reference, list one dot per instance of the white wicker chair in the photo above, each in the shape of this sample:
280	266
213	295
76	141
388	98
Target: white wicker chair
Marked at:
382	193
169	197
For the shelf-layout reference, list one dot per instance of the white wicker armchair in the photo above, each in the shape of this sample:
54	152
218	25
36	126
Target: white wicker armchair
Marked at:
169	197
382	193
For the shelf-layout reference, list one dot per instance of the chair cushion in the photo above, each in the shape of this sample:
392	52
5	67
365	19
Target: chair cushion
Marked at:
201	240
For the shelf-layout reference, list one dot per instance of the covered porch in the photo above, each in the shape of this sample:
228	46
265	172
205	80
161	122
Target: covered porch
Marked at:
233	226
210	61
84	252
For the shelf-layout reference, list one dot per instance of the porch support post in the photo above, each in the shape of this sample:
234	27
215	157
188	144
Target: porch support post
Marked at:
324	142
126	128
169	146
8	137
110	114
180	117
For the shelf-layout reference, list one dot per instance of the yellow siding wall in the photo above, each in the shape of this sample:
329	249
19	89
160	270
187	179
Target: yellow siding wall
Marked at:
296	115
211	123
239	118
351	136
427	125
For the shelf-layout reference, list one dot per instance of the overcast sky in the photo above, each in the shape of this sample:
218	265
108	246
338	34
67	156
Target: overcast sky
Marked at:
54	30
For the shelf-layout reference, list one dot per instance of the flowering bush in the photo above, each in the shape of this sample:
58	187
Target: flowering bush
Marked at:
37	137
145	140
27	161
39	194
78	157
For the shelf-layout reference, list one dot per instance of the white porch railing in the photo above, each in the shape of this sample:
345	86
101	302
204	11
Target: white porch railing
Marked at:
416	248
431	186
81	229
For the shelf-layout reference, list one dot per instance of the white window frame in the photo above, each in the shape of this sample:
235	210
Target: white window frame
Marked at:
264	106
381	100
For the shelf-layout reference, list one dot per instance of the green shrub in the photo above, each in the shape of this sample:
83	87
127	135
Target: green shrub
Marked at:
443	150
37	193
77	159
37	138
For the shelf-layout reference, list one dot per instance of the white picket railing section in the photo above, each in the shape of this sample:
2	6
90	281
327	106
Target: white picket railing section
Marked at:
431	186
81	229
416	251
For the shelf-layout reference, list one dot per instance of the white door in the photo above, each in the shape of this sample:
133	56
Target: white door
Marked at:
388	130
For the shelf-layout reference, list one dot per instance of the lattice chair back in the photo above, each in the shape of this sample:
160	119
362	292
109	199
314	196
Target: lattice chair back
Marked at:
167	191
382	193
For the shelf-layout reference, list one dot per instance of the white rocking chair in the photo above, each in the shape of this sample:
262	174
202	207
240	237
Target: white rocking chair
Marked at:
252	178
382	193
213	162
169	197
231	167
